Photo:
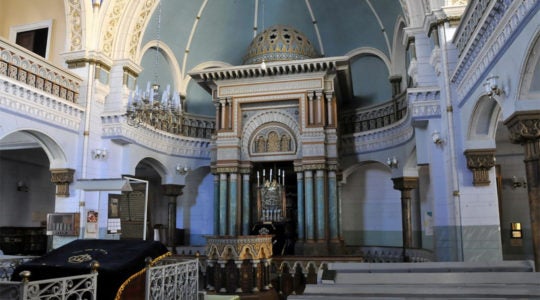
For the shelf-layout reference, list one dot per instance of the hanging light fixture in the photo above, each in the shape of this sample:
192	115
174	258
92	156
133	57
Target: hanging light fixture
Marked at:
148	107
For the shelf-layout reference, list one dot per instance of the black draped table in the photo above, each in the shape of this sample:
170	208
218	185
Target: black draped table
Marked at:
118	260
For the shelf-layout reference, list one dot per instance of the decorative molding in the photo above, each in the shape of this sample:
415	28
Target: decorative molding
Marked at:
478	44
405	183
424	103
33	103
74	23
376	140
112	26
137	30
268	87
480	161
116	129
524	129
239	248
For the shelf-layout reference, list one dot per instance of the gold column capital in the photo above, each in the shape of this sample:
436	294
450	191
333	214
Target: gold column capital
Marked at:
62	178
405	183
480	161
172	190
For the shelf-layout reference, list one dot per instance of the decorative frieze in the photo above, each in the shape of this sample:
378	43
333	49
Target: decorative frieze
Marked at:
424	103
75	24
62	178
480	161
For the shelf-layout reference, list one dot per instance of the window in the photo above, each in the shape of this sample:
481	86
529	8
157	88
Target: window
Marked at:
34	37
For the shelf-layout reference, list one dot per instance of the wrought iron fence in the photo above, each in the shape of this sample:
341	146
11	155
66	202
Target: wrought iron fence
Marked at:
170	279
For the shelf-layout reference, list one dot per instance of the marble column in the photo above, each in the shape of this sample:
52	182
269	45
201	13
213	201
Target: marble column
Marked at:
333	206
329	110
300	205
524	129
216	204
171	191
245	203
223	204
233	204
310	108
405	185
310	225
320	200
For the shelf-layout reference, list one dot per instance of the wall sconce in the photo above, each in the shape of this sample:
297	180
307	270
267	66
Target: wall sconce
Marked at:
182	170
392	162
518	183
99	154
22	187
515	230
491	86
436	137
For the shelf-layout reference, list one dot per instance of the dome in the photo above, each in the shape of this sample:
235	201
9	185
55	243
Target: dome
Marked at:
277	43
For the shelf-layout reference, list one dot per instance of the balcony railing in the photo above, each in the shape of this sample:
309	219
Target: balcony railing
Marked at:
26	67
374	117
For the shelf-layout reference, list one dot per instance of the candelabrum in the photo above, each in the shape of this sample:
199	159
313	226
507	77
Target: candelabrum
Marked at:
148	108
271	196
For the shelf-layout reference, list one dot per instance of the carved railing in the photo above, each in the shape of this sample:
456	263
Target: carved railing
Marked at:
171	279
31	69
290	274
374	117
198	126
82	287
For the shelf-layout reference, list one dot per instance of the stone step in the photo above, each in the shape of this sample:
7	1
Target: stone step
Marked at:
462	278
426	267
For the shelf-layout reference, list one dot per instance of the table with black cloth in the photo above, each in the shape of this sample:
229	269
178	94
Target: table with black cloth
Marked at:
118	260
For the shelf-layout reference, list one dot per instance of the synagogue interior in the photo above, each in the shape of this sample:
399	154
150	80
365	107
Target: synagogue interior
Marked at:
280	144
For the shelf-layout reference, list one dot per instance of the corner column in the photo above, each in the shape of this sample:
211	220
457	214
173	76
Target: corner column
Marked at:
222	203
405	185
310	225
524	130
172	191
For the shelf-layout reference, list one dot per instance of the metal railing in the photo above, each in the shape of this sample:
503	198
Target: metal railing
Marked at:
173	279
80	287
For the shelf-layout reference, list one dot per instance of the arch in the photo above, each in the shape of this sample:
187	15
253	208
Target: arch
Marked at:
156	165
531	71
353	168
483	120
399	59
169	56
55	154
265	117
363	51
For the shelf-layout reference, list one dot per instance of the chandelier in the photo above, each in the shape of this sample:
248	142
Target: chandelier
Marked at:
148	107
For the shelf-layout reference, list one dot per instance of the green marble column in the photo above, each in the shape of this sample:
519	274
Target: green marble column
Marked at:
310	225
223	204
233	204
245	203
216	204
300	205
333	206
320	200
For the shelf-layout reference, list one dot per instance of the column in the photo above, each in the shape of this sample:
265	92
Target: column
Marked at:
319	106
523	127
329	110
238	264
310	226
223	204
245	203
320	200
300	205
222	118
310	108
255	263
218	115
233	203
172	191
62	178
223	276
216	204
230	113
405	185
333	206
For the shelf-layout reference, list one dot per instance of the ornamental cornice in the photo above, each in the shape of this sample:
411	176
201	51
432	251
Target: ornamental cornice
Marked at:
33	103
487	41
272	69
378	139
524	127
116	129
424	103
292	85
